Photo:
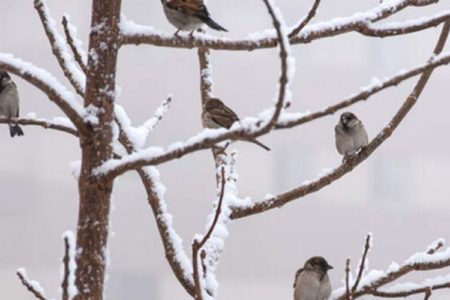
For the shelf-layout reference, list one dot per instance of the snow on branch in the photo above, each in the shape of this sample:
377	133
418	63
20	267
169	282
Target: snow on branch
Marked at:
210	246
172	242
347	166
59	48
137	34
375	281
57	123
74	43
148	126
69	290
33	286
48	84
289	120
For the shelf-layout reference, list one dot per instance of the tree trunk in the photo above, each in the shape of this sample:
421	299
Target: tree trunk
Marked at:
95	192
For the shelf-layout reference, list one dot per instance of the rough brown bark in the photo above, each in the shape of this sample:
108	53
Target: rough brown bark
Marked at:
95	193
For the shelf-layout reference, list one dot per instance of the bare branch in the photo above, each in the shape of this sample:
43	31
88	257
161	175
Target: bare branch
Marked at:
137	34
49	85
59	49
31	285
65	282
306	19
350	164
47	124
74	44
197	245
347	279
363	262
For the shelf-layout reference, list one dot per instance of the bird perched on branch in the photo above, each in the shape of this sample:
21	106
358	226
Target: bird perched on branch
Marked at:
215	114
350	135
188	15
312	281
9	102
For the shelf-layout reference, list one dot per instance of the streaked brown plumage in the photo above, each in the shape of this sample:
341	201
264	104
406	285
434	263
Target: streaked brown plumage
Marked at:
216	114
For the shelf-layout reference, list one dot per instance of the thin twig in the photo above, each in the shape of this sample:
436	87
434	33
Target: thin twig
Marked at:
347	279
363	262
47	124
30	287
65	282
306	19
434	249
72	44
197	245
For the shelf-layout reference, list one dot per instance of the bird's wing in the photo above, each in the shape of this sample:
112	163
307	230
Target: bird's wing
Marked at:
189	7
224	116
296	275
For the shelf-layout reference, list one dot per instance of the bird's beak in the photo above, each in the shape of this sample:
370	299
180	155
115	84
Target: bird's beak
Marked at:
330	267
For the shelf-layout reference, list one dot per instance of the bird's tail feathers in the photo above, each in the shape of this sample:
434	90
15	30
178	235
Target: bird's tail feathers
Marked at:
213	24
260	144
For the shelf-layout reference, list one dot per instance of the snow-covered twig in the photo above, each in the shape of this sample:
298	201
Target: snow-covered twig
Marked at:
148	126
48	84
172	242
375	281
138	34
59	48
289	120
59	123
404	27
74	43
350	164
33	286
363	261
305	20
206	82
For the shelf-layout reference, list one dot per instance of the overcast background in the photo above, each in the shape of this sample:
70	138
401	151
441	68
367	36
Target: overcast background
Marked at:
400	193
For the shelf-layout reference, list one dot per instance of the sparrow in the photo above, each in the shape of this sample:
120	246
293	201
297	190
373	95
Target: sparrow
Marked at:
9	102
215	114
312	281
188	15
350	135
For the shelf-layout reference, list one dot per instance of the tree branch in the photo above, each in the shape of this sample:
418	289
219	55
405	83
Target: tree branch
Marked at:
59	49
155	196
289	120
138	34
197	245
74	44
66	272
47	124
49	85
363	262
306	19
31	285
347	279
350	164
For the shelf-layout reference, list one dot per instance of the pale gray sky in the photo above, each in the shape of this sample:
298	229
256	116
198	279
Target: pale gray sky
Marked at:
400	193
